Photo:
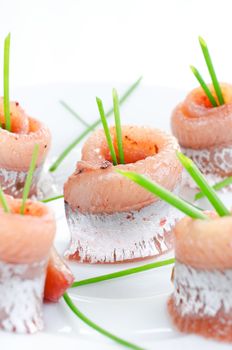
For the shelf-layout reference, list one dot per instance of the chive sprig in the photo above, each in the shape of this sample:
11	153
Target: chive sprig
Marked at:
213	76
106	277
29	178
204	86
118	126
211	70
4	202
92	126
217	187
6	71
164	194
122	273
200	180
118	129
27	185
74	113
107	131
51	199
97	328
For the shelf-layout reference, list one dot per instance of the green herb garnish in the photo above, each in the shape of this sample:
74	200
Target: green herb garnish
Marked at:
76	115
118	126
114	275
164	194
97	328
123	273
107	131
200	180
64	154
6	70
211	70
52	199
4	202
217	187
29	178
204	86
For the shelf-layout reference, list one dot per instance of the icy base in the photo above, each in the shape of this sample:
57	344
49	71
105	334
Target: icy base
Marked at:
121	237
12	182
21	291
44	184
201	292
213	163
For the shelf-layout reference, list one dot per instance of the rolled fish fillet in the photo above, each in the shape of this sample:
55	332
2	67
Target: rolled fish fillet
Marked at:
25	244
202	301
16	148
112	219
204	132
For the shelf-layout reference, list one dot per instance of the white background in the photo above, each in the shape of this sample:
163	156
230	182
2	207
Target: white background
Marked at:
115	40
111	41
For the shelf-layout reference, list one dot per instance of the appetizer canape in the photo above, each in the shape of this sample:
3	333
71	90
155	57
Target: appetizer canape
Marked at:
26	258
16	147
110	219
202	124
18	135
25	244
201	302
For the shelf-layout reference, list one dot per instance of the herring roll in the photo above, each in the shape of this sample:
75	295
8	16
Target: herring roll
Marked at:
202	301
204	132
110	218
16	148
25	244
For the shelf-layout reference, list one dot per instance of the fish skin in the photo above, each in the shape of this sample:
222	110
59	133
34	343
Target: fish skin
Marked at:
218	327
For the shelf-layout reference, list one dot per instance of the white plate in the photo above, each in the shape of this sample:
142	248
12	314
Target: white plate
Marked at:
132	307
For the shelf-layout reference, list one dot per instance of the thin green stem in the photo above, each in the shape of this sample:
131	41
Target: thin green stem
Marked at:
66	106
118	126
200	180
47	200
106	130
29	178
164	194
123	273
4	202
217	187
211	70
193	205
204	86
97	328
64	154
6	72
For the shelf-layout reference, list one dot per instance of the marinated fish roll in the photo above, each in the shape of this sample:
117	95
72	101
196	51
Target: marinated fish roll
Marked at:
112	219
202	300
205	132
16	149
25	244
